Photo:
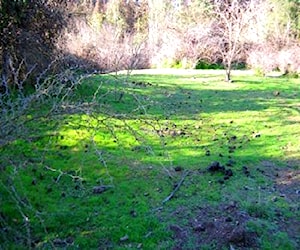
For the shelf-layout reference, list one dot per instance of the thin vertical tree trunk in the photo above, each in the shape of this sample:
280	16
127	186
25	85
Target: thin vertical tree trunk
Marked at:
228	73
5	72
228	79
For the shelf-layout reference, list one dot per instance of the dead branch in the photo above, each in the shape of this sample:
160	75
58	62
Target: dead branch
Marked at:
61	173
177	186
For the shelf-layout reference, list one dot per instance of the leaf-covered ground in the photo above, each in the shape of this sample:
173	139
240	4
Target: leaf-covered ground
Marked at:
177	160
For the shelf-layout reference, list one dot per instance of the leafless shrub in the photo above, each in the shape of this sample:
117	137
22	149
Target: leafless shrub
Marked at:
262	57
103	46
267	58
196	45
17	116
16	106
289	60
56	94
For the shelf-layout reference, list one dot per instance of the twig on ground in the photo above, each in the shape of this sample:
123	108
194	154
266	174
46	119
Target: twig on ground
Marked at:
176	187
61	173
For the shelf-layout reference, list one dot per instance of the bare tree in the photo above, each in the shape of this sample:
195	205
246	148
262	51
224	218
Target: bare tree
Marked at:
231	19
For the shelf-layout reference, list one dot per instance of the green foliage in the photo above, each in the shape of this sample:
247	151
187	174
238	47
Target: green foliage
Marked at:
206	65
270	236
293	75
127	17
239	66
176	63
259	72
259	210
284	17
96	21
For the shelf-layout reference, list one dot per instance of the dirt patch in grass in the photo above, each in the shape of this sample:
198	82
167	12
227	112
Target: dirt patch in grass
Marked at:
215	228
226	226
286	180
288	186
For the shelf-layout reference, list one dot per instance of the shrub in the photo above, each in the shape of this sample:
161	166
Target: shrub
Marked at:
28	31
262	57
102	48
268	58
289	61
202	64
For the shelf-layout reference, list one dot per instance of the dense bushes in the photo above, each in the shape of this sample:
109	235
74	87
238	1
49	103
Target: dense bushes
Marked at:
28	31
101	48
113	35
266	58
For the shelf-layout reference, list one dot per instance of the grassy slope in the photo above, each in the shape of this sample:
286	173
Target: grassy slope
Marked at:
134	144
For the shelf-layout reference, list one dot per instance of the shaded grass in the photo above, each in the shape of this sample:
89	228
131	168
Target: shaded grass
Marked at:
134	133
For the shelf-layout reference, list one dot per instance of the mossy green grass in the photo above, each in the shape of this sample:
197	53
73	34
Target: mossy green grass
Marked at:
137	135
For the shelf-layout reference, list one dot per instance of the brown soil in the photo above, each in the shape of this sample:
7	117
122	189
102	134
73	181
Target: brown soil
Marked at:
222	227
288	186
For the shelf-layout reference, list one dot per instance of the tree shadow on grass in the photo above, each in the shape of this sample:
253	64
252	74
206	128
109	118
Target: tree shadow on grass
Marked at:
189	99
166	136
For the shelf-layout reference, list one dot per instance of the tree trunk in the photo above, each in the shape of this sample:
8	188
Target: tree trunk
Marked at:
228	75
5	72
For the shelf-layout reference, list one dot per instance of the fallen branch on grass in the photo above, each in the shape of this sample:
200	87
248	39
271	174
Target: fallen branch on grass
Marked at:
176	187
61	173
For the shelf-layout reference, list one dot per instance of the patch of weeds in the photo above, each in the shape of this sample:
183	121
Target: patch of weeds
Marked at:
279	240
206	65
270	237
259	210
259	72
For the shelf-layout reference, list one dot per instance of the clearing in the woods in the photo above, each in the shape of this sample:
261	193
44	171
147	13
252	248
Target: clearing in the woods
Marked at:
175	160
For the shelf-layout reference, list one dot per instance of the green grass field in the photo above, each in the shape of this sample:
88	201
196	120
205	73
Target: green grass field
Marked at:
125	162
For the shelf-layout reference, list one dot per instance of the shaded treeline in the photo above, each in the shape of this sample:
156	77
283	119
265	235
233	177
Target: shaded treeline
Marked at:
118	34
